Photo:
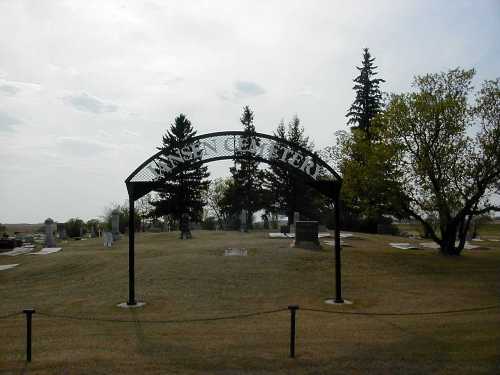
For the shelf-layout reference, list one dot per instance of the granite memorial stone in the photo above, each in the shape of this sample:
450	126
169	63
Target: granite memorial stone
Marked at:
49	233
306	235
115	224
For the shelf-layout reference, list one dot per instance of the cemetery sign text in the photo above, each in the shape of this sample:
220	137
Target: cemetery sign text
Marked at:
233	145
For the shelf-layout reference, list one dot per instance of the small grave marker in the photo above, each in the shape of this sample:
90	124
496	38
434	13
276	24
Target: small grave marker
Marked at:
235	252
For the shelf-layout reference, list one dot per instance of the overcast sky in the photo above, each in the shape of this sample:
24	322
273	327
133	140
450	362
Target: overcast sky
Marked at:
87	88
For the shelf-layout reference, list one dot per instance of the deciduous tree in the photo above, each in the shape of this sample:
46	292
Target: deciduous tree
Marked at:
448	152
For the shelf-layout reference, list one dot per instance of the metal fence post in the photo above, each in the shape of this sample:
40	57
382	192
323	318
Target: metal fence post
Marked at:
293	309
29	314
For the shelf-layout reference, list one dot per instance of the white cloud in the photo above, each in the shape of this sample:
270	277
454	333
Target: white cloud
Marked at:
130	133
133	66
8	89
242	90
247	89
88	103
82	147
8	123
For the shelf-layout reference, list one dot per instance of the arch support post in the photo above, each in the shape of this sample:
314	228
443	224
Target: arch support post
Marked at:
338	269
131	250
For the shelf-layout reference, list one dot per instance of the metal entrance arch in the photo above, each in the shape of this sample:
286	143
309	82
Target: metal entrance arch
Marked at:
232	145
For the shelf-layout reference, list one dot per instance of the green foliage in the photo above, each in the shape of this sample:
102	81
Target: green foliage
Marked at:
218	198
246	191
368	102
209	223
364	158
92	225
183	192
74	227
443	169
368	190
123	217
289	192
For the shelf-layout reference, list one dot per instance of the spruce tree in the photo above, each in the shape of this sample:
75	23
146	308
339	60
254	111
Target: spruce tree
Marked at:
247	189
184	191
289	191
368	100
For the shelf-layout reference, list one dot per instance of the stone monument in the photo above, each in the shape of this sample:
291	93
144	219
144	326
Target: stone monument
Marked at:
49	233
306	235
115	224
243	221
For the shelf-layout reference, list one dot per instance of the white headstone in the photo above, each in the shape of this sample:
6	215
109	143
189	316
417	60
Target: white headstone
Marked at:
108	239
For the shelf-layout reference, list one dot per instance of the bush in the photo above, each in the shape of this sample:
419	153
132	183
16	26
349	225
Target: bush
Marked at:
209	223
73	226
380	225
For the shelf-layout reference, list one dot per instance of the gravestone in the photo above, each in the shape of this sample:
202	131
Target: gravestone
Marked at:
296	217
108	238
61	231
243	221
235	252
184	227
49	233
306	235
115	224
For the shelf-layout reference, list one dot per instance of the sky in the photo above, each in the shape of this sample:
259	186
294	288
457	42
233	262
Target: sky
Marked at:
88	88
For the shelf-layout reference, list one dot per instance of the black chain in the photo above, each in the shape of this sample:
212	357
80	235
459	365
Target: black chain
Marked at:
248	315
240	316
475	309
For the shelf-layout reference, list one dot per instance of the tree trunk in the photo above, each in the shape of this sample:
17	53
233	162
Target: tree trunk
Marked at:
449	236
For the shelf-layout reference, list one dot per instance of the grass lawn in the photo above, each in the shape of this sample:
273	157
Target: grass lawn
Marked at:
484	230
192	279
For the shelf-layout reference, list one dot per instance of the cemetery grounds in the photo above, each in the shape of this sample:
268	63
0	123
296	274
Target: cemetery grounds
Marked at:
193	279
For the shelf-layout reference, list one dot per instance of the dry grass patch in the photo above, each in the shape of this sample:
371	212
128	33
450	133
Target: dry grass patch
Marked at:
192	279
